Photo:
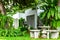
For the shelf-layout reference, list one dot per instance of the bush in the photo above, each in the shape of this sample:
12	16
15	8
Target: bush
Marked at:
12	32
5	21
6	29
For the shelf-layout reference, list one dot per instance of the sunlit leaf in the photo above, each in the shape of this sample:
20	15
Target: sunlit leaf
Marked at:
52	12
59	15
48	14
56	15
43	15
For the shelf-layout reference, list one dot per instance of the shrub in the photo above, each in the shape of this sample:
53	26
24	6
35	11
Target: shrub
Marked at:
6	29
12	32
5	21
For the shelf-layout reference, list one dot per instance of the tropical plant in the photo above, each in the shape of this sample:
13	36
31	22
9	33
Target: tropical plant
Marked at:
51	14
17	4
5	21
12	32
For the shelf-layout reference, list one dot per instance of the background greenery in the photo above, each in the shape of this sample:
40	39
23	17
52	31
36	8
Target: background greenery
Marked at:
51	14
8	30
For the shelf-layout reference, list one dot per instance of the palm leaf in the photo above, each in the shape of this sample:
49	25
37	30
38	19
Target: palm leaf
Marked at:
43	15
52	12
54	23
58	15
58	23
59	9
48	14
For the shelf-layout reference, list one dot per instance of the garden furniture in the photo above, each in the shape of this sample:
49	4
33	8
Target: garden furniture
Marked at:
34	33
54	33
44	28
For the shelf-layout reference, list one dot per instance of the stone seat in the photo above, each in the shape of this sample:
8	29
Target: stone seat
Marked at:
54	33
34	33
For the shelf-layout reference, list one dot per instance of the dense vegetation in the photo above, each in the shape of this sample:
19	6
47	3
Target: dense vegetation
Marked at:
10	31
51	14
10	7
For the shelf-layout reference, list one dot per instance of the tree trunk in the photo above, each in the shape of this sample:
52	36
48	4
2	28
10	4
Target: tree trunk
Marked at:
3	12
58	2
2	9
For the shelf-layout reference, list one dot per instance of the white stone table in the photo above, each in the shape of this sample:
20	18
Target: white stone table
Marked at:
44	28
34	33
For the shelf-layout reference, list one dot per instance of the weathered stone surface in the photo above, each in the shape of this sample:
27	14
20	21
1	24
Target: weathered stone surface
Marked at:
34	33
54	33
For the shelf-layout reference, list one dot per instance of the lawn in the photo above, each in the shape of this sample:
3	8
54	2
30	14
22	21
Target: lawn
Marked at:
23	38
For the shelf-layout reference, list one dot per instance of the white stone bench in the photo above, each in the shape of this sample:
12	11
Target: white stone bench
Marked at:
34	33
54	33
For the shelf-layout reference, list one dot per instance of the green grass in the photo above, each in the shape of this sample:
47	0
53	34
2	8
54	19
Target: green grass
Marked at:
23	38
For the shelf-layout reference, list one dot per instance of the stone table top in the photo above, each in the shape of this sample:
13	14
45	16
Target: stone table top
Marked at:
34	30
44	26
52	30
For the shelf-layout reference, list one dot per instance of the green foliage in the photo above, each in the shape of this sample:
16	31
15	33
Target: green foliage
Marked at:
20	3
12	6
46	4
48	14
23	27
43	15
5	21
12	32
21	21
51	13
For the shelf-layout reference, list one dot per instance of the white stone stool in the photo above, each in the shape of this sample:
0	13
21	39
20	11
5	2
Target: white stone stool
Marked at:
54	33
34	33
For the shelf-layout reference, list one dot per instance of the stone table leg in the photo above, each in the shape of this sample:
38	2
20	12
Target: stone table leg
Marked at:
31	34
48	35
36	34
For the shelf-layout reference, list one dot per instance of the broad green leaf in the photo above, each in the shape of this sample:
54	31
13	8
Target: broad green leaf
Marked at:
48	14
59	9
52	5
43	15
54	23
52	12
42	4
45	0
58	23
59	15
52	1
56	15
56	7
36	1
